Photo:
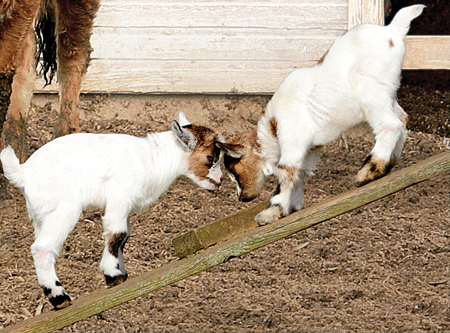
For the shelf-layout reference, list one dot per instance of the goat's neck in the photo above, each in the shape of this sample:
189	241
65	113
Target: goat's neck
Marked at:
168	153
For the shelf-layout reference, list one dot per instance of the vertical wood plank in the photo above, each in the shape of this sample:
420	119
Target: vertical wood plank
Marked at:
365	11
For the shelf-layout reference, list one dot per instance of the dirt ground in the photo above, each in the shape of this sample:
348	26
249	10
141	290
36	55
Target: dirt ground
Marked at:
381	268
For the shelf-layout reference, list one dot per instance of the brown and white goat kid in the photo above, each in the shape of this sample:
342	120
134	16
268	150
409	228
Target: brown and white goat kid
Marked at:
119	173
355	81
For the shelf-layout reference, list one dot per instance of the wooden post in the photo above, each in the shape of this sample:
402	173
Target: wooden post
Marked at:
365	11
175	271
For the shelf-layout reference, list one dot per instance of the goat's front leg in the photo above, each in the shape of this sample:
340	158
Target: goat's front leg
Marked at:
280	203
116	233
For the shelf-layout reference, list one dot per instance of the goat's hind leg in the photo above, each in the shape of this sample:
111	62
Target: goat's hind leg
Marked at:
50	236
390	135
116	233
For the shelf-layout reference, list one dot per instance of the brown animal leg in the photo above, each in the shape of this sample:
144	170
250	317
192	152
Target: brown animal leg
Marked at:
16	36
15	126
74	28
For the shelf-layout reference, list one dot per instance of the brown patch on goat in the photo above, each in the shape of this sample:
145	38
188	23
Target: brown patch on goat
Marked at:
391	43
247	170
273	126
291	172
373	168
116	242
205	153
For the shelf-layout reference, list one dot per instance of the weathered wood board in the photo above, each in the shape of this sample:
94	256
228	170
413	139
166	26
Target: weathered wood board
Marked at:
240	222
225	47
155	279
203	46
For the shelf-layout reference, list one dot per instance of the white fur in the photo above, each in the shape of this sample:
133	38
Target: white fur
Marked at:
357	82
119	173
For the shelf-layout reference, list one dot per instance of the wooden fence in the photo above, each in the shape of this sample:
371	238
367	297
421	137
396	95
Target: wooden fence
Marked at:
226	47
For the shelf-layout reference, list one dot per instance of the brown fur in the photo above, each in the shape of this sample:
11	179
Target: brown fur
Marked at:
372	169
273	126
246	170
74	28
391	43
74	49
199	163
291	172
116	242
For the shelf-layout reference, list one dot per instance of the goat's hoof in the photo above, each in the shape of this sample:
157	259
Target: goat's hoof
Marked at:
270	214
60	301
112	281
373	168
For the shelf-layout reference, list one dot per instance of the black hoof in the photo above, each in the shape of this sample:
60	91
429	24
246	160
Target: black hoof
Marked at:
58	302
112	281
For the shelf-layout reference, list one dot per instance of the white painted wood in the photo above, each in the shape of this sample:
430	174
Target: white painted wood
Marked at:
226	46
427	52
365	11
184	76
204	46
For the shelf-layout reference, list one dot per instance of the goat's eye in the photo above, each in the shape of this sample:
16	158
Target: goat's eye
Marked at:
210	161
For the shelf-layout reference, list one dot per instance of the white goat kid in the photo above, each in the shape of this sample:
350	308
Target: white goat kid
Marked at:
120	173
355	81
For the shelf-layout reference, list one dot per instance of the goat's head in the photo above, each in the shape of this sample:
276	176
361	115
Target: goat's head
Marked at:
205	158
244	165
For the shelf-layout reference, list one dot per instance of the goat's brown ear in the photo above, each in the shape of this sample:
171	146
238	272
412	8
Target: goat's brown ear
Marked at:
232	150
186	138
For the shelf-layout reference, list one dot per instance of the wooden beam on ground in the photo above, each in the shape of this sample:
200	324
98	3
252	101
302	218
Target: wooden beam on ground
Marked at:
105	299
226	228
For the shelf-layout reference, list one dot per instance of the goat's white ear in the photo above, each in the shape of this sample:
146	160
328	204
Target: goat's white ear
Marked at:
234	151
186	138
183	120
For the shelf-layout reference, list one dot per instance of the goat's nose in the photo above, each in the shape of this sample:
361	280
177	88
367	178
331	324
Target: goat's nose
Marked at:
215	182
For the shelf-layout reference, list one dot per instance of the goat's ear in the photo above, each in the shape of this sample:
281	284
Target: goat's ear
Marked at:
234	151
183	120
186	138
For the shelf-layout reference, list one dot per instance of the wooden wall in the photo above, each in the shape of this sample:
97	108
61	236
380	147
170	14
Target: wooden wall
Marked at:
227	46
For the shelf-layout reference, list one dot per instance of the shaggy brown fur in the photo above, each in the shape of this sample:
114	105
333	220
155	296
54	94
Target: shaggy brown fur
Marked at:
73	28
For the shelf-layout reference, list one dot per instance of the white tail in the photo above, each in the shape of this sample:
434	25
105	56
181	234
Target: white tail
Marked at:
402	20
11	167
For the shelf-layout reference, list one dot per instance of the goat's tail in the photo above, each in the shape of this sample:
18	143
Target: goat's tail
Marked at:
46	38
402	20
11	167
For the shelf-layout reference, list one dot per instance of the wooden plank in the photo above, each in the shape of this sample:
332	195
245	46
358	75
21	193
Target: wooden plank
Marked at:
240	222
159	76
365	11
105	299
206	46
226	45
212	233
225	14
427	52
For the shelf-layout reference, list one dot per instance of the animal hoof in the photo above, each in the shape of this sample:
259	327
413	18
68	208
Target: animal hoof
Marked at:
60	301
112	281
271	214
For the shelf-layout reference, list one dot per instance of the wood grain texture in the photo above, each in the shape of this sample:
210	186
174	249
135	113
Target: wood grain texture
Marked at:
206	46
368	11
427	52
225	47
253	239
